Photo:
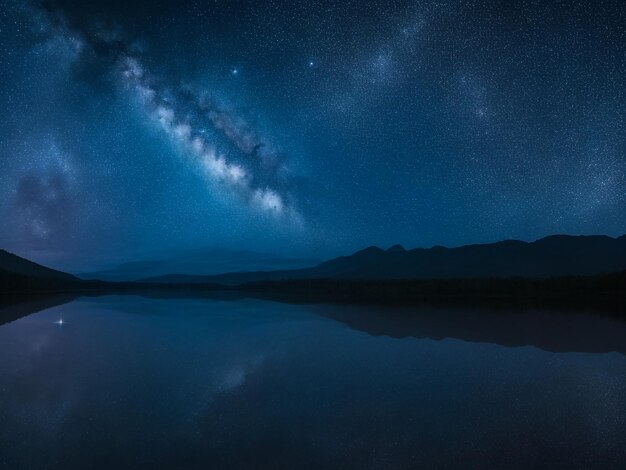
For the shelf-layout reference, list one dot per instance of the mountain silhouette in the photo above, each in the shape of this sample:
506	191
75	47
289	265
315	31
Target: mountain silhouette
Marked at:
553	256
11	263
579	271
202	261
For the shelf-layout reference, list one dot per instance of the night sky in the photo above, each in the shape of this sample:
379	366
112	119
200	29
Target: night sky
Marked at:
318	128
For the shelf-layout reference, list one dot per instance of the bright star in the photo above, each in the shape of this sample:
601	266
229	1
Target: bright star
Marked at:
59	322
235	71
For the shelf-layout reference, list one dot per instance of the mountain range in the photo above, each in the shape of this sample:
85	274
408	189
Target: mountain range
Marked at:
201	261
10	263
553	256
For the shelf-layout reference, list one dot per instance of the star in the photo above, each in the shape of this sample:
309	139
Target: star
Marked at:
419	119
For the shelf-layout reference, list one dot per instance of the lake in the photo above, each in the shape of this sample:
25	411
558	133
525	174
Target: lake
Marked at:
138	382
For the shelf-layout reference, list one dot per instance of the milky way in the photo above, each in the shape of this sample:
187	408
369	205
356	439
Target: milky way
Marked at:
183	114
307	127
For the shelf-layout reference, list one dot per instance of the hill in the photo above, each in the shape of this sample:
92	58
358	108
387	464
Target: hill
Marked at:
553	256
10	263
201	261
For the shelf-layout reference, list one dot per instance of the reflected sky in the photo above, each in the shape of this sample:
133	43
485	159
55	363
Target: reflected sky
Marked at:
184	383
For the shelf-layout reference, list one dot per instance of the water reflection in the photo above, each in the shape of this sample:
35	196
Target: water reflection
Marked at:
548	329
135	382
556	331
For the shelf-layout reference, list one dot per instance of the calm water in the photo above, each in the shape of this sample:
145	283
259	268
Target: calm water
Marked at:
134	382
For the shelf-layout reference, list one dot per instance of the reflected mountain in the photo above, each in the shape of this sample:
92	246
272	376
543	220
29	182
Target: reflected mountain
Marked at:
15	307
549	330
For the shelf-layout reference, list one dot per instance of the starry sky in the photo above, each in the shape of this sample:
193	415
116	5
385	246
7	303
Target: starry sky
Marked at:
317	128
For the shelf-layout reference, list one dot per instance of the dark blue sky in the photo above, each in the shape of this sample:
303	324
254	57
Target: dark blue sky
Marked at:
130	128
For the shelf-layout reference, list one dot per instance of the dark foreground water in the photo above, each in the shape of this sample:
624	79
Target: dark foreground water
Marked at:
133	382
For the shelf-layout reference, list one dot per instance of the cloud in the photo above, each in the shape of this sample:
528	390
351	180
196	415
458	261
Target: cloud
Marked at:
45	197
43	207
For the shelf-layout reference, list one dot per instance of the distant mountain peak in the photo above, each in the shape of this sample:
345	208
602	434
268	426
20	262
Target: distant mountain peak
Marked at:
12	263
370	250
199	261
554	256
